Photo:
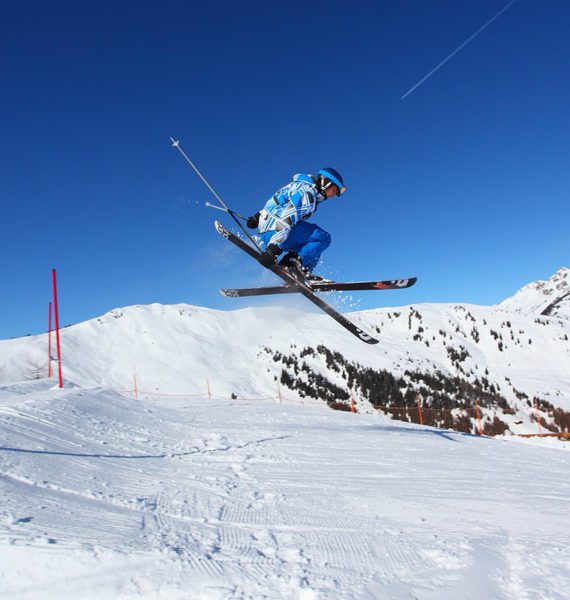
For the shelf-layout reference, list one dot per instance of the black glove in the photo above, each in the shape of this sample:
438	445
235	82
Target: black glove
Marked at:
269	257
253	222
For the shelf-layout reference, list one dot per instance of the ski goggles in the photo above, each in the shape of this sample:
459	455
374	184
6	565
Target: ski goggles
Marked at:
332	180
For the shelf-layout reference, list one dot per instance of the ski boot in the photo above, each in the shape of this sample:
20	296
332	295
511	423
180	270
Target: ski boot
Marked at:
294	265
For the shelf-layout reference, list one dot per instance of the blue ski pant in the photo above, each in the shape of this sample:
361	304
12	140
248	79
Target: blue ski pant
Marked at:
308	240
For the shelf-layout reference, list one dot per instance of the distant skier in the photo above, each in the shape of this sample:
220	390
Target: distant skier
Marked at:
282	223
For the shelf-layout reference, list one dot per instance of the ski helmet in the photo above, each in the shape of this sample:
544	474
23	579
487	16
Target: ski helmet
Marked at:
329	176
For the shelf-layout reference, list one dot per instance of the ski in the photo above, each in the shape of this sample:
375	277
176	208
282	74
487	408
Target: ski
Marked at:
298	286
325	286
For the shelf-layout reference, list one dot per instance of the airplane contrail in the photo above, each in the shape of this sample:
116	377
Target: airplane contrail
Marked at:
450	56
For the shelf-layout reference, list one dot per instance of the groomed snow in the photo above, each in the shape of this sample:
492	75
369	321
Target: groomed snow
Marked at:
104	496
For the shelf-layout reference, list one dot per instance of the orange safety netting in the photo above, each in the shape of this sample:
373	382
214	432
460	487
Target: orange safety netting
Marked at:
457	419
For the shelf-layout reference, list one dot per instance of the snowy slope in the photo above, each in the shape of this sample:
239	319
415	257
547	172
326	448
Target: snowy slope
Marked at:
175	349
108	497
551	297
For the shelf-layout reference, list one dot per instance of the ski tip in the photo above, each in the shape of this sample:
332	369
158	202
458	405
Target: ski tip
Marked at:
228	293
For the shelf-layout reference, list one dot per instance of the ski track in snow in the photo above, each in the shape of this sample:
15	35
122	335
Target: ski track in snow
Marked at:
109	497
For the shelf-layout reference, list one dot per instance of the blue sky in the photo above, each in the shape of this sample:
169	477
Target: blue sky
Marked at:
464	183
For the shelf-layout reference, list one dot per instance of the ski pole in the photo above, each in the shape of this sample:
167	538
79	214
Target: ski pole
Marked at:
225	210
176	144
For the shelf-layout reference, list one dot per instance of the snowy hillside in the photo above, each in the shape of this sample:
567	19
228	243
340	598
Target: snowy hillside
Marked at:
107	497
551	297
514	364
192	454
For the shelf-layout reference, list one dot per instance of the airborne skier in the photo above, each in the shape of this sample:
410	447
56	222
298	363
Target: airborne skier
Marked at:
283	228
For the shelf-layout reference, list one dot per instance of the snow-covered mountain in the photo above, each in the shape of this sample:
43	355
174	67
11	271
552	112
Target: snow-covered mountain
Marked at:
511	363
551	297
211	482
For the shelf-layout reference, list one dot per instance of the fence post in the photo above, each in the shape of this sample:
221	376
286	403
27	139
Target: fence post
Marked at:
49	341
352	404
136	388
56	313
478	417
209	390
279	392
419	401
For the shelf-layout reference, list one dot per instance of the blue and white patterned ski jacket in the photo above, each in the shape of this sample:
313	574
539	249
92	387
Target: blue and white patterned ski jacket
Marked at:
291	204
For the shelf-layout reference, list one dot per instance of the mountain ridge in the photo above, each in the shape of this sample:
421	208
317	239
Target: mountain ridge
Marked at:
549	297
513	363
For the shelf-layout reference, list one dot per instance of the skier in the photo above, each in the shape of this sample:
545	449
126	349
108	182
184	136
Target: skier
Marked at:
283	228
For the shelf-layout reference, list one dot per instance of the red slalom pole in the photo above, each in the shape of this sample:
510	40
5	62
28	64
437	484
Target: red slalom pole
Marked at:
57	328
49	341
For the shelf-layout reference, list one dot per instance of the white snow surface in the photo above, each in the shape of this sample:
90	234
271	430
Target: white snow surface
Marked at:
177	493
105	496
